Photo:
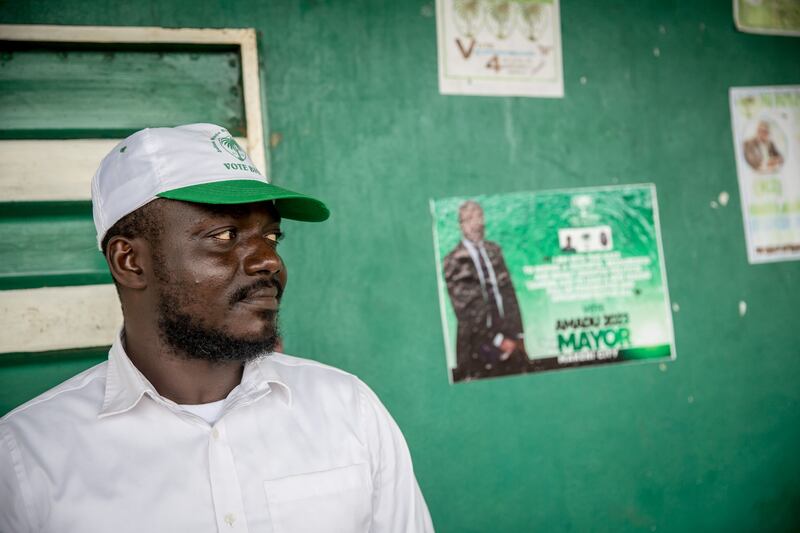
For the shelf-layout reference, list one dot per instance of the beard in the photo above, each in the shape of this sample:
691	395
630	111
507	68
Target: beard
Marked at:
189	336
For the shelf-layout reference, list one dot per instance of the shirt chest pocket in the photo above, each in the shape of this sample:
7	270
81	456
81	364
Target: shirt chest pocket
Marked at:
334	501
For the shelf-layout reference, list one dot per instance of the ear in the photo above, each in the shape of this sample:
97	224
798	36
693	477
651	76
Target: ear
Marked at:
128	259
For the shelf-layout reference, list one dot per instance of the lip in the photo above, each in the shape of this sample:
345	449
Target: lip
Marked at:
264	292
266	298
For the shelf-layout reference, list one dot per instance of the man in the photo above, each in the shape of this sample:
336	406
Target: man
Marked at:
490	336
190	425
760	151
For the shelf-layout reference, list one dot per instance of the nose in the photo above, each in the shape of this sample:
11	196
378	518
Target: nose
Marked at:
262	258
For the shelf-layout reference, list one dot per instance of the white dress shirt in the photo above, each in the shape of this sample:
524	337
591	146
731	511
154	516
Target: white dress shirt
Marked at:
298	447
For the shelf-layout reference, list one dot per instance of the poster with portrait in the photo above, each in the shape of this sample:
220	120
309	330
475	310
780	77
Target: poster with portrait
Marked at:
771	17
766	136
499	47
538	281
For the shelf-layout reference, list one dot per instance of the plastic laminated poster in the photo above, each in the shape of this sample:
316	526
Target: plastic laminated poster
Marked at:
766	137
500	47
770	17
537	281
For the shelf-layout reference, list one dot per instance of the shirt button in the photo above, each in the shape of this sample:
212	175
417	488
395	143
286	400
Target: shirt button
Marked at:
215	433
230	518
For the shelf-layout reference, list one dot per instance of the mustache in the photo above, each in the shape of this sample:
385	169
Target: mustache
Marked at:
242	293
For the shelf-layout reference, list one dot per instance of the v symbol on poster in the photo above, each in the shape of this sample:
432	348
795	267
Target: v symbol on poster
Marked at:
468	52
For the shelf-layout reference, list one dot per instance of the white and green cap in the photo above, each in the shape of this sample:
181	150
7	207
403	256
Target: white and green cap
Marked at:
199	163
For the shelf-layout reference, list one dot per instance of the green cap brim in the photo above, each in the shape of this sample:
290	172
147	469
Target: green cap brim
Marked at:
291	205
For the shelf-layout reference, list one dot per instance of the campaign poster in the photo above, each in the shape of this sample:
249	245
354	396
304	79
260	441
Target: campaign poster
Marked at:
499	47
538	281
766	137
771	17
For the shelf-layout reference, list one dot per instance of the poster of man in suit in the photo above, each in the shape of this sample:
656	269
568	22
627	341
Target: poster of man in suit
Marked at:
760	150
549	280
490	340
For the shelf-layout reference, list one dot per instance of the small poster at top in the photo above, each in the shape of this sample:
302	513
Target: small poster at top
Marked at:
771	17
500	47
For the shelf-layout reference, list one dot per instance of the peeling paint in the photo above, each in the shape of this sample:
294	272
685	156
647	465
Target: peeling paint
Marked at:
742	308
676	307
713	204
723	198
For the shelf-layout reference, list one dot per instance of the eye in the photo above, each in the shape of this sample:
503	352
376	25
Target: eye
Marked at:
225	235
274	236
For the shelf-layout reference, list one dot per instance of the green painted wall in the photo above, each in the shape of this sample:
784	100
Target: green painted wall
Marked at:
706	444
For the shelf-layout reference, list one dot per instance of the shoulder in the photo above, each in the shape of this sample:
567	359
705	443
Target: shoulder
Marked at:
492	247
89	386
316	386
53	415
297	366
311	379
80	396
457	256
459	251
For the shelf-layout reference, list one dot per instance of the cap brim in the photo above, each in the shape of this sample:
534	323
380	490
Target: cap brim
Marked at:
291	205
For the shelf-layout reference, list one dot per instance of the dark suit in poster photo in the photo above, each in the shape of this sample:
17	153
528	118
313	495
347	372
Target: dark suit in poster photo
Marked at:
490	338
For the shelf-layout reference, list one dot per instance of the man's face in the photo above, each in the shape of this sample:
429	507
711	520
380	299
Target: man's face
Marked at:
219	279
471	220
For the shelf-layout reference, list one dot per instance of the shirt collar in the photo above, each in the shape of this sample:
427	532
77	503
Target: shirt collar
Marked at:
126	385
262	372
472	246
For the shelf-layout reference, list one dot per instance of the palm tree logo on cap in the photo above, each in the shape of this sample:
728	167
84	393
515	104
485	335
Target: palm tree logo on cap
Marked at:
230	145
